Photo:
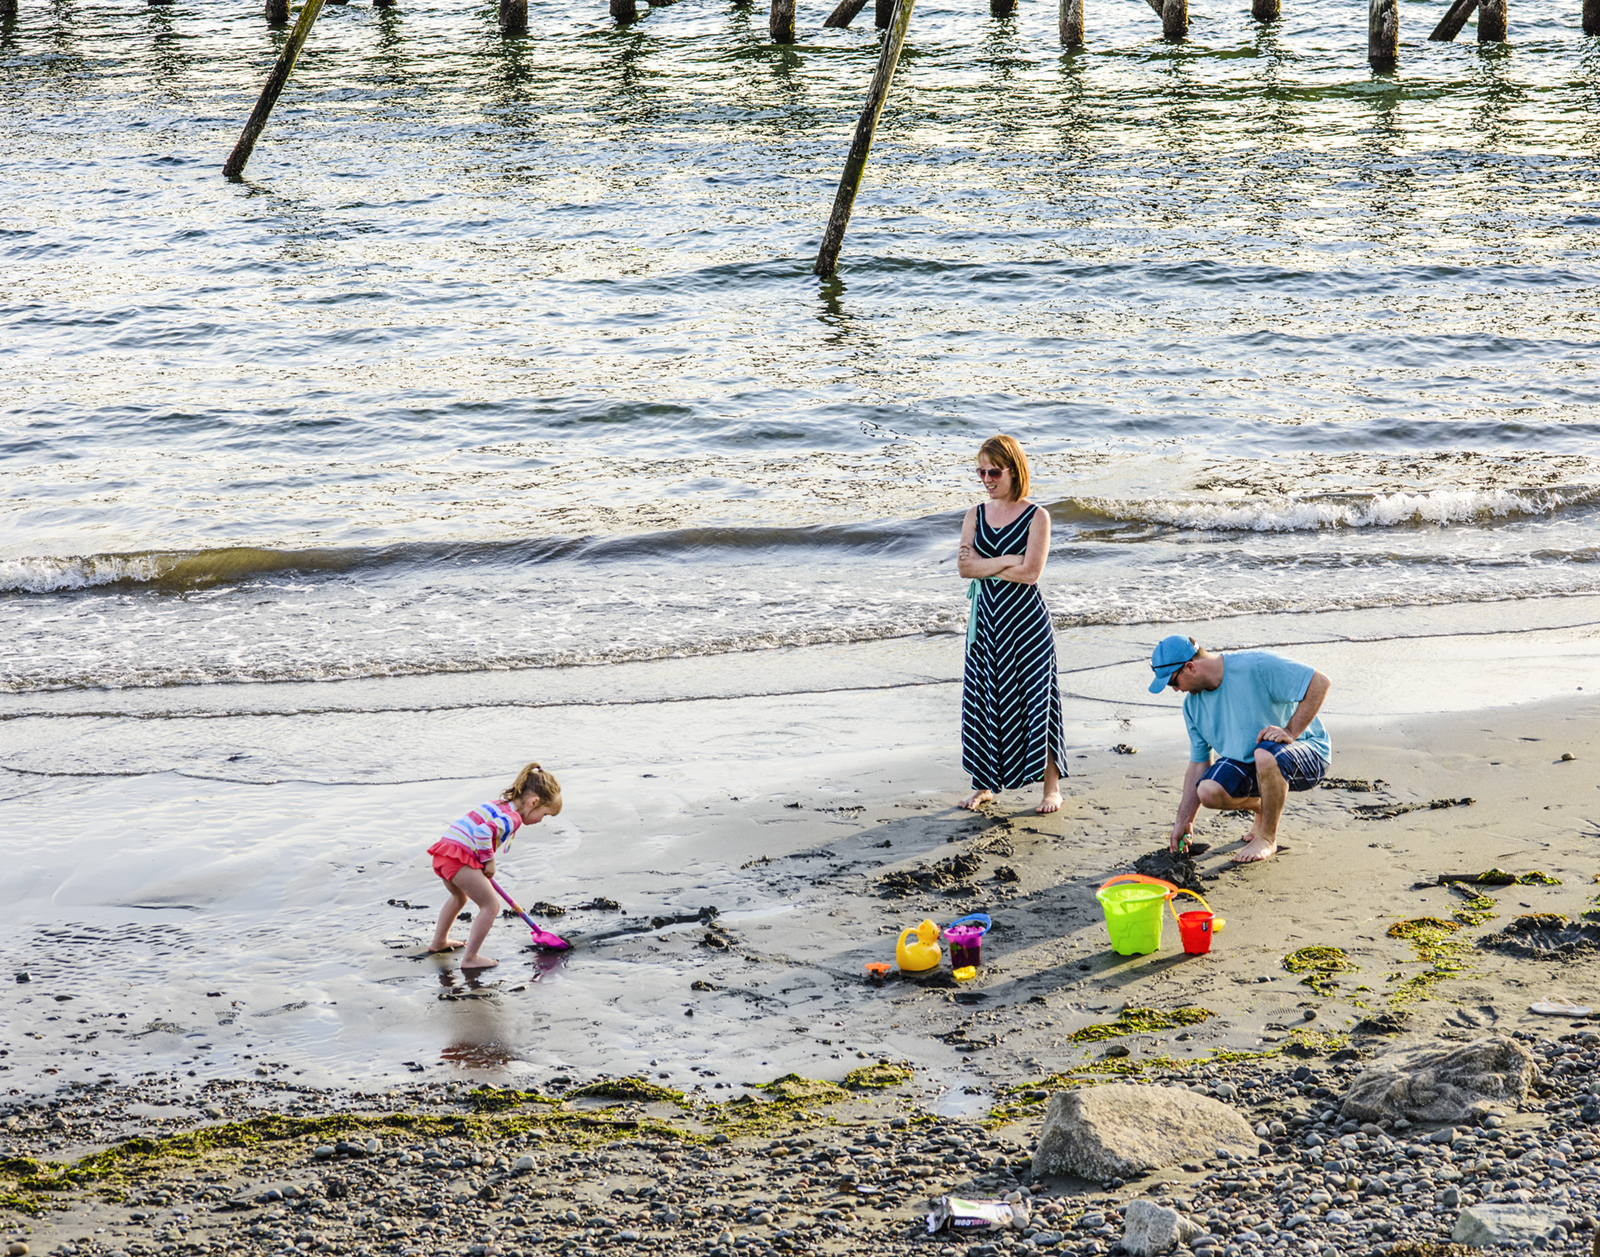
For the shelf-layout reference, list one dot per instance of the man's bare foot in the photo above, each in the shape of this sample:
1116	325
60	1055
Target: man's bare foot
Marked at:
1256	850
977	799
1050	803
450	944
478	962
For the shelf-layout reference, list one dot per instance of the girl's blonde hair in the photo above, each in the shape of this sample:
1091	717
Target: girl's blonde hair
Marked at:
1004	451
535	780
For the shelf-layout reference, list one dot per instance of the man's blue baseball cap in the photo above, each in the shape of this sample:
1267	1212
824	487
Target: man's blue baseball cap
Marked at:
1170	654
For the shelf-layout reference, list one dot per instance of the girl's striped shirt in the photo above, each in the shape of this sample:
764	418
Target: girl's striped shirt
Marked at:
483	831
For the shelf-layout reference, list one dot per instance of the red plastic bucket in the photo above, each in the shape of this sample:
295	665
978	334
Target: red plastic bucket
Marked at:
1195	930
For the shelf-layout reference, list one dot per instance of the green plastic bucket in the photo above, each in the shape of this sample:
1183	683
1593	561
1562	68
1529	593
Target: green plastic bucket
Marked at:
1135	909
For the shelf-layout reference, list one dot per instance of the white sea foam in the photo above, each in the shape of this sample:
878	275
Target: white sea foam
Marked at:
44	575
1383	510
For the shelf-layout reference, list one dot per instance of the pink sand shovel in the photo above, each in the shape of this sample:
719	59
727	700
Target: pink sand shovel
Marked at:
541	938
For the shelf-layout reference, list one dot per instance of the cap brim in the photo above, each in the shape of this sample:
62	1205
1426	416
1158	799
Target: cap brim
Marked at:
1163	679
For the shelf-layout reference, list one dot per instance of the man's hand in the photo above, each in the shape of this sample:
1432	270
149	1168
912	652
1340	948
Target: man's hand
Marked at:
1274	734
1176	837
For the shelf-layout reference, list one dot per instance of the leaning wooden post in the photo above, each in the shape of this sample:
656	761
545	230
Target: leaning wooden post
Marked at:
1383	34
513	17
1492	21
780	22
1071	21
234	166
1266	10
856	163
1455	17
1591	17
277	12
845	13
1175	19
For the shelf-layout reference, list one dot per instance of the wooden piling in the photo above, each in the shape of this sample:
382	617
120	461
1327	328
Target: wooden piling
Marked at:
883	14
780	23
1591	17
845	13
1002	8
1175	19
277	12
513	18
856	162
624	10
1266	10
8	8
234	166
1492	21
1383	34
383	4
1455	17
1071	23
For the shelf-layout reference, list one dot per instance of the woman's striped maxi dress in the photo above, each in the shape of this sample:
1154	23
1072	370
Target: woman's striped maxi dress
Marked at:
1010	703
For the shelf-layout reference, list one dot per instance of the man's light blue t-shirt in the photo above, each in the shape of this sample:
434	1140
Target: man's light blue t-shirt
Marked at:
1258	689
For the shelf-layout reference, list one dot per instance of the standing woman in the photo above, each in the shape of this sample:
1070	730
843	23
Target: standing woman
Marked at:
1011	731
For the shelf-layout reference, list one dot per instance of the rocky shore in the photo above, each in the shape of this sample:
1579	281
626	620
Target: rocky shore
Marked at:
796	1166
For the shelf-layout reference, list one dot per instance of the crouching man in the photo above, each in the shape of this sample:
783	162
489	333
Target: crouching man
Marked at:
1256	713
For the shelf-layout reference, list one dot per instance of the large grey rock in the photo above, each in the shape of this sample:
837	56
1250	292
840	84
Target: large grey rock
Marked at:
1151	1228
1446	1084
1484	1226
1123	1129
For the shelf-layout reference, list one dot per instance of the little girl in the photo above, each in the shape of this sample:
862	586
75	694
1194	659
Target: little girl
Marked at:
464	858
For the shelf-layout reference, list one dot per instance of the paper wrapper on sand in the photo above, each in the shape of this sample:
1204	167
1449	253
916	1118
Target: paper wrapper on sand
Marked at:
953	1214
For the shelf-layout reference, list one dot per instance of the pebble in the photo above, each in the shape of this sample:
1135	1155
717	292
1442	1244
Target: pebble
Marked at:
16	1249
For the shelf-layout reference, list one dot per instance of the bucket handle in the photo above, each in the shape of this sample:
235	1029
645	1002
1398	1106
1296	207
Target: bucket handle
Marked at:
1140	877
972	918
1191	895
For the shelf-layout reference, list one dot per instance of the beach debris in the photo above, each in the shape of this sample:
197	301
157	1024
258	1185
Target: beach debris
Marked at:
1140	1021
1567	757
1357	784
1559	1006
877	1077
1319	964
952	1213
1005	873
1478	907
1441	1084
941	875
601	904
1387	811
719	938
545	909
1544	936
1176	867
1120	1130
1484	1226
1497	877
1122	748
1149	1228
1391	1022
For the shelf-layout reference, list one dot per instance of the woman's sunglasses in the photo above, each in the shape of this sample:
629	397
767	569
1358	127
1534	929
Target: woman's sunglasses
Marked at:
990	473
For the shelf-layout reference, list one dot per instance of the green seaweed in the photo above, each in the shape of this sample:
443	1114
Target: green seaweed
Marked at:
1319	964
630	1089
877	1077
794	1089
1140	1021
490	1100
1431	939
1477	909
1537	878
1306	1042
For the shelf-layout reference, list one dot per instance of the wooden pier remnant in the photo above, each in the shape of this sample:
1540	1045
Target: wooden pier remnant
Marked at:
856	162
845	13
624	11
1266	10
513	17
883	14
1455	17
1175	19
1492	21
1002	8
1383	34
1071	23
8	8
277	12
1591	17
234	166
780	22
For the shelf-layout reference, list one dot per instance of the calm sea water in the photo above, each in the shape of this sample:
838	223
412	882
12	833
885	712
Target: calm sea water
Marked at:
504	366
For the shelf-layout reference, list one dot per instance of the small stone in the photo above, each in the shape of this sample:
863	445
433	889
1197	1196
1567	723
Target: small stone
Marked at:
323	1151
1150	1228
524	1164
16	1249
628	1237
212	1111
1450	1198
24	976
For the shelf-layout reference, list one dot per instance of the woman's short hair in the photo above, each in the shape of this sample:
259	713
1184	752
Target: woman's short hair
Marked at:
1004	451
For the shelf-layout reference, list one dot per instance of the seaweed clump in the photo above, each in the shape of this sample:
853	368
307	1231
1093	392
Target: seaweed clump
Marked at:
877	1077
1477	909
1446	957
1319	964
638	1089
1140	1021
798	1090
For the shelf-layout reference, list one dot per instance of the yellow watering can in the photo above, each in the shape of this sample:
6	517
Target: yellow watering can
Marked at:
918	948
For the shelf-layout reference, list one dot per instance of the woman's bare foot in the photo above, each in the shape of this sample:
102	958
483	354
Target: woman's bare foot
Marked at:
450	944
1256	850
478	962
977	799
1050	803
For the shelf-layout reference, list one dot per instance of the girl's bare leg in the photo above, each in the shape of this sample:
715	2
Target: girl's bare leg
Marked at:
1051	802
477	888
453	904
